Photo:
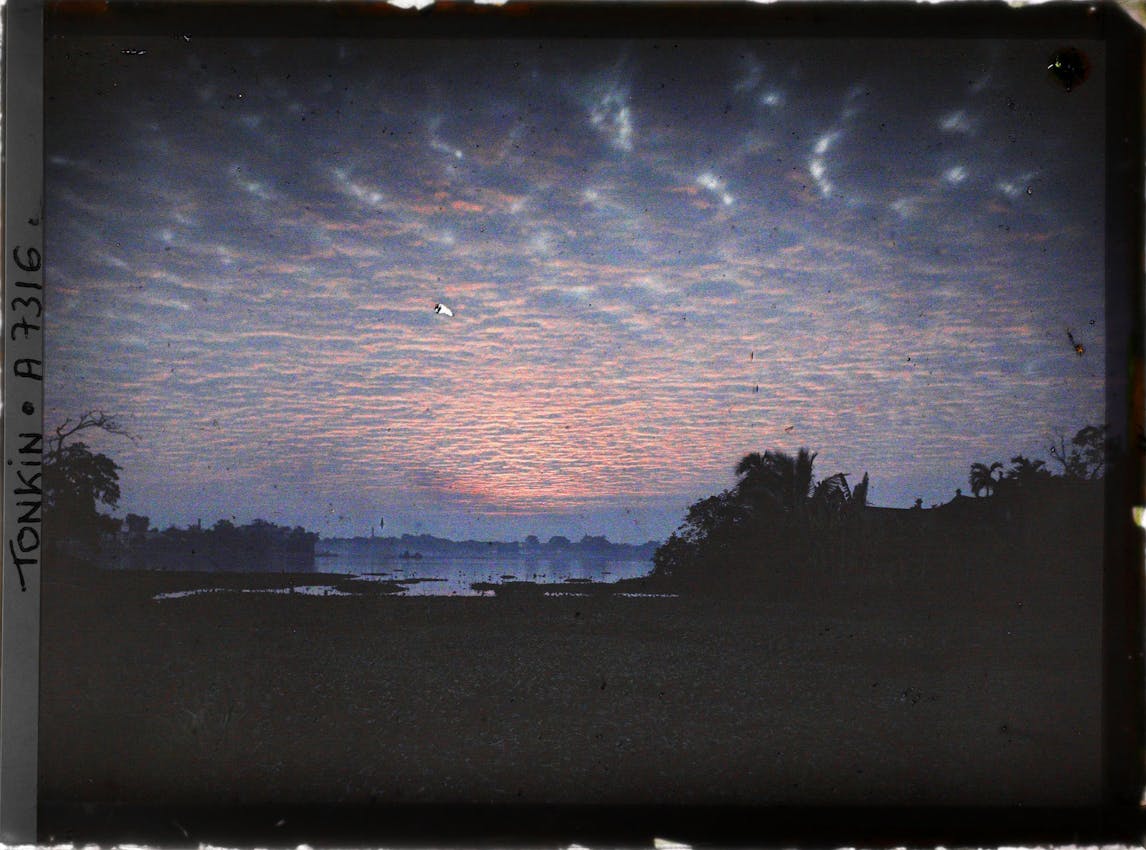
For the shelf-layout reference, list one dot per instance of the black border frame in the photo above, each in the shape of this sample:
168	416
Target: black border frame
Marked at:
1120	818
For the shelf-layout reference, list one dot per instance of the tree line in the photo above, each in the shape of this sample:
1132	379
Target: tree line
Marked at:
777	511
1083	459
779	514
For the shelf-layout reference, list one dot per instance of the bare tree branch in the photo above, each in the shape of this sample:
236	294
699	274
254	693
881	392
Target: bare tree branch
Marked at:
1059	451
87	420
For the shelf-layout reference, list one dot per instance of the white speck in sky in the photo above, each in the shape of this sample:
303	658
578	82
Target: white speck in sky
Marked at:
957	122
955	175
714	184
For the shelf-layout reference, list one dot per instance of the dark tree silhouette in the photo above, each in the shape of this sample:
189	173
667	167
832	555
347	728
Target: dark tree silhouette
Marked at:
776	507
708	528
77	480
776	479
983	477
713	518
832	495
1025	472
779	528
1085	459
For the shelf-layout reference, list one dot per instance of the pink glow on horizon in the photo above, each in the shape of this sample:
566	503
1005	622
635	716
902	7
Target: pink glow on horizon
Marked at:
638	301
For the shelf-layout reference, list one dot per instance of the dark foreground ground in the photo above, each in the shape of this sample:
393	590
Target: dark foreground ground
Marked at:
939	690
833	692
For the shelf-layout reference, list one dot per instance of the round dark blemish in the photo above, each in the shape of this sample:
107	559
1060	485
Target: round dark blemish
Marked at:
9	463
1069	67
28	408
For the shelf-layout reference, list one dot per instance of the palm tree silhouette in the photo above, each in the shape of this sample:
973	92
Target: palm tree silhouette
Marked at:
833	495
776	507
777	479
983	477
1023	469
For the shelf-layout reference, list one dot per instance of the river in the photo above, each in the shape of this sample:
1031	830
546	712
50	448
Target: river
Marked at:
452	575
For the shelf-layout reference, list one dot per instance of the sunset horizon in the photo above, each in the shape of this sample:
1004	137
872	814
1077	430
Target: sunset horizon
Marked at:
647	274
547	410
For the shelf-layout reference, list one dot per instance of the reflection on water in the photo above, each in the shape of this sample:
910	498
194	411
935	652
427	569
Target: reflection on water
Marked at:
413	588
452	575
433	575
305	590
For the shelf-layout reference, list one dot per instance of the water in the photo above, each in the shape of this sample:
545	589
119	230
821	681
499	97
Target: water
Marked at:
305	590
436	575
452	573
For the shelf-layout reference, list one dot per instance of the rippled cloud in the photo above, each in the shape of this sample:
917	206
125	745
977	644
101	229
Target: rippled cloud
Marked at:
658	259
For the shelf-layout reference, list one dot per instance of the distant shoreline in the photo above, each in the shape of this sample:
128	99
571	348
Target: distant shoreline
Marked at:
428	544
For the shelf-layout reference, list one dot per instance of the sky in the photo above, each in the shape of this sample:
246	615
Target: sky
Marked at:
659	255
